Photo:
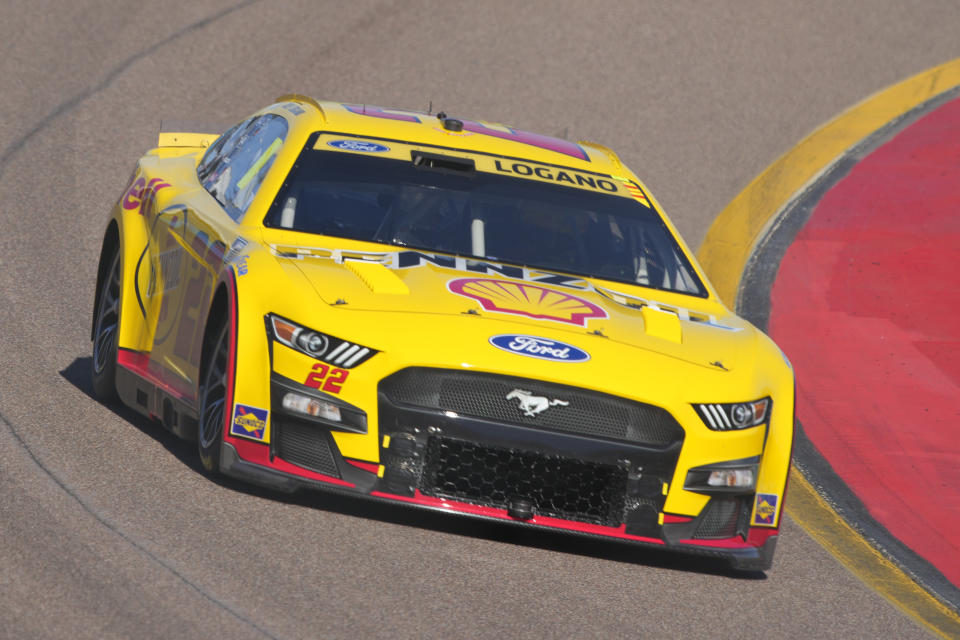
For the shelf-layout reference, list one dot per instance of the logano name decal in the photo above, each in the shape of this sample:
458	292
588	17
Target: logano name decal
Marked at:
561	176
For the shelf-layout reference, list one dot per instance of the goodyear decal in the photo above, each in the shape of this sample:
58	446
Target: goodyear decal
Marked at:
249	422
523	299
561	176
766	509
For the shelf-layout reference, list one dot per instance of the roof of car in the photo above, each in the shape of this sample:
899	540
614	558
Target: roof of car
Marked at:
447	130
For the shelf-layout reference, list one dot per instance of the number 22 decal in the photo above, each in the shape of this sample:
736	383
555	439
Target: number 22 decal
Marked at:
318	378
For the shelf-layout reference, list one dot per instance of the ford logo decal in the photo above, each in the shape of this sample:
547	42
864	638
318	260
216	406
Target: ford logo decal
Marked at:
541	348
358	145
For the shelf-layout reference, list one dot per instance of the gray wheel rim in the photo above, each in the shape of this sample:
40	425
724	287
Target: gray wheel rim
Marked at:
213	394
108	315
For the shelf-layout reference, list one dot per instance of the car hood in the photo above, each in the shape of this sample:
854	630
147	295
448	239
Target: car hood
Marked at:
696	330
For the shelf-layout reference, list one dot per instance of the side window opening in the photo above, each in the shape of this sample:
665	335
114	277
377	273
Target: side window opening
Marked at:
212	157
233	168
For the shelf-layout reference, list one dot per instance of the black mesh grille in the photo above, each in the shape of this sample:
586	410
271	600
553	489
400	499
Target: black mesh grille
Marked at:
493	476
721	518
304	445
482	395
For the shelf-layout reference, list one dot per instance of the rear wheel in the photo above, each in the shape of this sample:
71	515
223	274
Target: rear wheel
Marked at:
104	362
213	400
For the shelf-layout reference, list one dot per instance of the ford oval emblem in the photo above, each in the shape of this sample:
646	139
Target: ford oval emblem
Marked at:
358	145
541	348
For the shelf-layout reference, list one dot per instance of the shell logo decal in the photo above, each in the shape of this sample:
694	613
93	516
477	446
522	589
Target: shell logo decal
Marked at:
524	299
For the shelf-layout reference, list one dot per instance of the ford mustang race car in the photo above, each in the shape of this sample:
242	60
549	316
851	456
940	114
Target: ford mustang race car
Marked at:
444	313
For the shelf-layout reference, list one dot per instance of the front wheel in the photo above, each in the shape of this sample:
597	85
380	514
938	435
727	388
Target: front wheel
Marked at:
213	400
104	361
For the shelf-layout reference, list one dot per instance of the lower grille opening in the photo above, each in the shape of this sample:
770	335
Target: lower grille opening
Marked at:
304	445
498	477
723	518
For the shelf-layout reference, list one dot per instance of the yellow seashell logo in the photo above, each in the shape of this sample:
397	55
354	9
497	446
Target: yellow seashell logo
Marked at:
524	299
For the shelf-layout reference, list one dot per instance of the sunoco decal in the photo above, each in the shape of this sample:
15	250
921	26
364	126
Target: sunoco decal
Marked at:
358	145
541	348
766	510
249	422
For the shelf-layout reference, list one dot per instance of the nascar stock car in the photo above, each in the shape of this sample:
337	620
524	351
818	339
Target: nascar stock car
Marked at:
444	313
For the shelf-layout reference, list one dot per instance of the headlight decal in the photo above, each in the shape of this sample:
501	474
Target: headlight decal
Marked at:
347	354
734	416
316	344
715	418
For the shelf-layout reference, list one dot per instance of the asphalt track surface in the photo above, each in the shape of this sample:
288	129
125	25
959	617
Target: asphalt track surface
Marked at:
108	527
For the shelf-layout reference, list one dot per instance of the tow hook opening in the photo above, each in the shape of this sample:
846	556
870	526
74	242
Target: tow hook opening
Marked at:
520	508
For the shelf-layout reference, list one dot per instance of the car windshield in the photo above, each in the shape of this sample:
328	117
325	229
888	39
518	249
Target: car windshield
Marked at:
473	213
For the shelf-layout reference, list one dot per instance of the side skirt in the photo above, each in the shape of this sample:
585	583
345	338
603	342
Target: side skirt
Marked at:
141	390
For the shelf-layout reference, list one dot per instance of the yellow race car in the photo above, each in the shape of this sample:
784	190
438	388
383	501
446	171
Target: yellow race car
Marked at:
445	313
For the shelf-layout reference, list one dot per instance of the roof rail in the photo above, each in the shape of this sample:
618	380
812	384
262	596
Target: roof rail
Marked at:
296	97
602	149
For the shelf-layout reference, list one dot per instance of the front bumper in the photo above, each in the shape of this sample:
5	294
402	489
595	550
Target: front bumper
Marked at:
745	557
603	486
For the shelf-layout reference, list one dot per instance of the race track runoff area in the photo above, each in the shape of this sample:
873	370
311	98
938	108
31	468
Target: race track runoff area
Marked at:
867	307
846	251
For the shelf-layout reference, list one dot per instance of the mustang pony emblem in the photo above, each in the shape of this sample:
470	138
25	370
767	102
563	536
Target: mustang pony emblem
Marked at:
531	405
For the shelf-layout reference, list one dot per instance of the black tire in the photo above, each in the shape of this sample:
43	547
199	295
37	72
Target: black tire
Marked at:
213	398
103	366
